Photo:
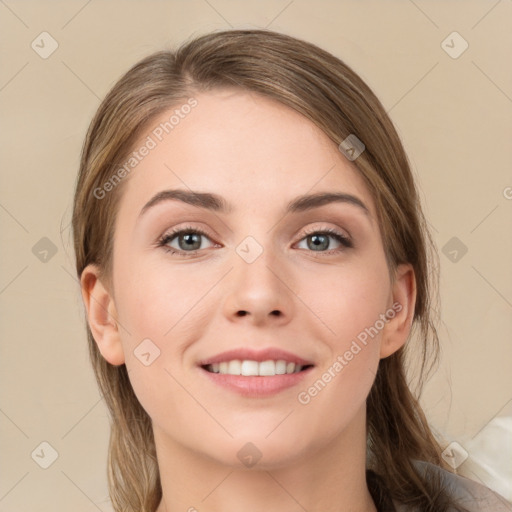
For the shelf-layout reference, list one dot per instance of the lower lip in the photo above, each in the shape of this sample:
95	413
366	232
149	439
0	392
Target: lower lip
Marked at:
255	386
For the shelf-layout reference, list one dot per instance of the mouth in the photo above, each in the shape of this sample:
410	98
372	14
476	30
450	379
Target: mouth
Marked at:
252	368
256	374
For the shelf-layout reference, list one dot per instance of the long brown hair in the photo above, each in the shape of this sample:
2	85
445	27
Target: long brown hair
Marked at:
329	93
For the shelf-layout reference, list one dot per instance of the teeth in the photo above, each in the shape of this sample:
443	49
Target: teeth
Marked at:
254	368
280	367
249	368
234	367
266	368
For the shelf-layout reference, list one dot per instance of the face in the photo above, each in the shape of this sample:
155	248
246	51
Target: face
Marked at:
245	271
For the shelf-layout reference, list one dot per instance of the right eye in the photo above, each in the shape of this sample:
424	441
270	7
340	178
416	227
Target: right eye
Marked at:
188	241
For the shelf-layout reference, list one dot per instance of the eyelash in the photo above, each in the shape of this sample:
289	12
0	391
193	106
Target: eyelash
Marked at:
168	237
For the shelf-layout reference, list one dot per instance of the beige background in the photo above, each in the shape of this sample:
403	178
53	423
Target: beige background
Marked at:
454	116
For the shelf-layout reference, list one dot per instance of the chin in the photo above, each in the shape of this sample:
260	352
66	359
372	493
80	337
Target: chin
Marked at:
259	453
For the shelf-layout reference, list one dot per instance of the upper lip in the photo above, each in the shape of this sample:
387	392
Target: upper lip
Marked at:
244	354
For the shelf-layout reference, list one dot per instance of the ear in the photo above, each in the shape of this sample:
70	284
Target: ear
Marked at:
102	315
400	312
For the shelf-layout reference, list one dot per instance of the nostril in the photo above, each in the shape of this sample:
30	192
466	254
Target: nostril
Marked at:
276	312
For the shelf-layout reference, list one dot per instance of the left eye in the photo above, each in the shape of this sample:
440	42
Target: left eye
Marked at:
320	241
187	240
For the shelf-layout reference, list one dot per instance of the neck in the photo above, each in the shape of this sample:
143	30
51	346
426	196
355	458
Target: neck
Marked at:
329	478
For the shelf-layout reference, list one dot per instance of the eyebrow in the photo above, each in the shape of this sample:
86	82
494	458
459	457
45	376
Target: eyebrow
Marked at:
217	203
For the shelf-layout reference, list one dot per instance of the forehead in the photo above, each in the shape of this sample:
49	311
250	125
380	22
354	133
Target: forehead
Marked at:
244	146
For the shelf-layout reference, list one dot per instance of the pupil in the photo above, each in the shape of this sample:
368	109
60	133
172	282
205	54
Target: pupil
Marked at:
192	241
319	241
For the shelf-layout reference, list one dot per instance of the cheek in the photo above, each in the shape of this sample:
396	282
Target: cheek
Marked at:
156	297
347	299
349	302
350	305
156	305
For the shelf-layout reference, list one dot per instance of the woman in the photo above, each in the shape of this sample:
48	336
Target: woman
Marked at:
253	258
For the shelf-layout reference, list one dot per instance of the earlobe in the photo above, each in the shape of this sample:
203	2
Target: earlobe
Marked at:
101	315
403	302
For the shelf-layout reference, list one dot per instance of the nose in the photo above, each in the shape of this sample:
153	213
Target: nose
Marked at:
260	292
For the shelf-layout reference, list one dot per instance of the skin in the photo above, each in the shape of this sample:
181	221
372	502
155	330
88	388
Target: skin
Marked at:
259	155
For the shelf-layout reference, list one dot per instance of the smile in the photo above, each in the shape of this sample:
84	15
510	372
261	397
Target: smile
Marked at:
254	368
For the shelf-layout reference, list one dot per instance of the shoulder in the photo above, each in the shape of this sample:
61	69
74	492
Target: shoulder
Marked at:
468	493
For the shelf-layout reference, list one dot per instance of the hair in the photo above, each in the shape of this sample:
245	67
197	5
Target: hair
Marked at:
329	93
